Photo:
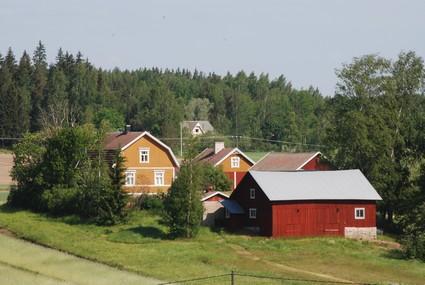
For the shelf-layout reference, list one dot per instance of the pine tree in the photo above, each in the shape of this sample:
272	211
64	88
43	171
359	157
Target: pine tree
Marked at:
183	207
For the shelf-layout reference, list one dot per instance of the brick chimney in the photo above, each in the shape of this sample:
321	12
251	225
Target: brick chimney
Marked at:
127	129
218	146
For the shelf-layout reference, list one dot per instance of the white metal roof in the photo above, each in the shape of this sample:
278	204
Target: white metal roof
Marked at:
315	185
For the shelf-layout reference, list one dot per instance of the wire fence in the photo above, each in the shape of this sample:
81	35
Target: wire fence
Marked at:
237	278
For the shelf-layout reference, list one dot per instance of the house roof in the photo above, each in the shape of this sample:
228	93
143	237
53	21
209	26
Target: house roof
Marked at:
232	206
315	185
122	140
284	161
205	125
210	194
208	155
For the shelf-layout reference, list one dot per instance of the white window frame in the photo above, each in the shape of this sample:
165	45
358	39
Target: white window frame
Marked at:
252	213
146	154
129	173
252	193
235	161
158	174
359	217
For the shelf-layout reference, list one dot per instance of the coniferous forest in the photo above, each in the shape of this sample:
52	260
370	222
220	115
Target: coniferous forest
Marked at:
375	121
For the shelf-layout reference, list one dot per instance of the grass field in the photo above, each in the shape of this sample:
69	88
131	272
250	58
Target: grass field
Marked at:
256	156
3	196
141	246
22	262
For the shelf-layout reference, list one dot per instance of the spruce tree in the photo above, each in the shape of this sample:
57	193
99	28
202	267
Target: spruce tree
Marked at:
39	81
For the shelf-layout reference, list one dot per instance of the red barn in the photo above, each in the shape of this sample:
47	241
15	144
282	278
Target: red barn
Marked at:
288	161
304	203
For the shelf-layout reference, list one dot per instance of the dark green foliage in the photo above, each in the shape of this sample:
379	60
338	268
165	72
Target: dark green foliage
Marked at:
214	179
182	207
56	174
154	203
61	201
71	91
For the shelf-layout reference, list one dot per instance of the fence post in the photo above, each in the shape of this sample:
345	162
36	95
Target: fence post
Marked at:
232	277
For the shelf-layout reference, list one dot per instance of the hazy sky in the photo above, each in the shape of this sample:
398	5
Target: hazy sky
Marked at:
303	40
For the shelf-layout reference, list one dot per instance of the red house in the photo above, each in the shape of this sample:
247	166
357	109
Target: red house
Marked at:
304	203
288	161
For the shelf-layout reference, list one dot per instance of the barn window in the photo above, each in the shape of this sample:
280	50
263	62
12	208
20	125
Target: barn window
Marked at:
235	162
227	214
252	193
144	155
359	213
130	178
252	213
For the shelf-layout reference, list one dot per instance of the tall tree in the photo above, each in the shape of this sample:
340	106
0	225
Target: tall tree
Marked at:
39	81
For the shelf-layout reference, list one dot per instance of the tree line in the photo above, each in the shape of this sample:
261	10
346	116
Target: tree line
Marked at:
374	122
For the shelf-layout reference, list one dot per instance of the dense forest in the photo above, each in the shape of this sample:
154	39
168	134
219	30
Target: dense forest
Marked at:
35	95
375	121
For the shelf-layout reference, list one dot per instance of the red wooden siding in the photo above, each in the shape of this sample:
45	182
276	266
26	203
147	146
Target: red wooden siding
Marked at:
317	218
317	164
238	175
297	218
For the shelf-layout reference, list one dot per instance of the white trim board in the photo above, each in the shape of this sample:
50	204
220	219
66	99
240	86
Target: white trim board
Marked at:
308	160
213	194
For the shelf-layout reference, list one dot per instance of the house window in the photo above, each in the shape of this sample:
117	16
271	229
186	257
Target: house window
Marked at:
130	178
252	213
235	162
252	193
159	178
359	213
144	155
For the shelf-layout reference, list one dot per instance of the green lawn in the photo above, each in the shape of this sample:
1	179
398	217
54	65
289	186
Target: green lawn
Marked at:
256	156
3	196
140	245
22	262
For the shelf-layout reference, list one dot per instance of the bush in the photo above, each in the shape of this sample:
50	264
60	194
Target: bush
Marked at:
61	200
414	246
154	203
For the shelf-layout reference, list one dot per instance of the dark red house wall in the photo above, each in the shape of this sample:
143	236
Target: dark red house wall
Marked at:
239	176
318	218
317	164
264	209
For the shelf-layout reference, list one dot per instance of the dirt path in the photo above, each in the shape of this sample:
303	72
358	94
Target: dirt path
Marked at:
22	262
6	163
241	251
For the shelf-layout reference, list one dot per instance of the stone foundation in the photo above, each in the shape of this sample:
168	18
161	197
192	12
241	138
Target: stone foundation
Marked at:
360	233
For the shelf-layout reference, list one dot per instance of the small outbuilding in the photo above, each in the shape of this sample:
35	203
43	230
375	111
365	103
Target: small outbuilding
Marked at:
213	209
304	203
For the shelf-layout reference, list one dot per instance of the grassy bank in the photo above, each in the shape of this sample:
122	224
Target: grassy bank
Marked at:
140	245
3	196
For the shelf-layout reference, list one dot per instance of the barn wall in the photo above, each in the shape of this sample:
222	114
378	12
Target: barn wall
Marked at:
238	175
320	217
317	164
261	203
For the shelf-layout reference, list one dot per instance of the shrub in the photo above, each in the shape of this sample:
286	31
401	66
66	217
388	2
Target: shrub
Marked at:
60	200
414	246
154	203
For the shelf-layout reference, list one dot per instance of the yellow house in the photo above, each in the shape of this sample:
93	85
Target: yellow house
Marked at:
150	164
234	163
